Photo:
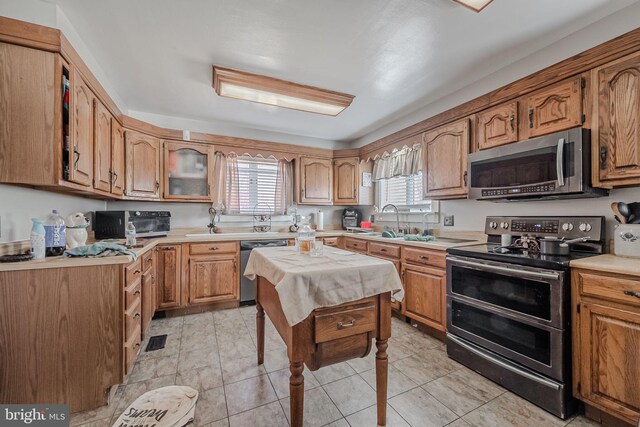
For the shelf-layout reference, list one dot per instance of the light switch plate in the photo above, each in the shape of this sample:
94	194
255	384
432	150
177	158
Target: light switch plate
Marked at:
448	221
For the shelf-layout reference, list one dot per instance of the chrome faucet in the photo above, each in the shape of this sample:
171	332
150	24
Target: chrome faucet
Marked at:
397	214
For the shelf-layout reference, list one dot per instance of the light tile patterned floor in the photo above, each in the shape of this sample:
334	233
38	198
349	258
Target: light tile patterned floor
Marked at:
215	353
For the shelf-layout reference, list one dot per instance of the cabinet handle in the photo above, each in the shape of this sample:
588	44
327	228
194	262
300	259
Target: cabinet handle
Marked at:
512	120
383	250
465	177
115	177
531	118
351	324
135	316
632	294
214	248
77	154
167	248
424	257
137	292
136	346
136	271
604	152
157	185
235	265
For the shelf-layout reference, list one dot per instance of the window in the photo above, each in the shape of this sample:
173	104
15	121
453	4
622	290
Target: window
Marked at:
256	183
401	191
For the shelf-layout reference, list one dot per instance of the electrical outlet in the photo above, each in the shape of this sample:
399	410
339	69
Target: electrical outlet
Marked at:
448	221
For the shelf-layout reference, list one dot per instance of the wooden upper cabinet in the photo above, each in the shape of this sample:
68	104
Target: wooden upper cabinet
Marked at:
616	133
188	171
117	158
142	165
445	150
497	126
168	276
315	181
81	124
345	181
555	108
102	147
214	278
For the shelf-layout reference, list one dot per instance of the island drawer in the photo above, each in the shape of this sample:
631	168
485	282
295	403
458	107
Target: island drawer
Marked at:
147	260
132	318
345	322
355	245
213	248
134	271
610	287
384	249
132	294
331	241
424	257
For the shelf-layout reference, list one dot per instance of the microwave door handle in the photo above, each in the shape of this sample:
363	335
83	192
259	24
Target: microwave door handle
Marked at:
560	162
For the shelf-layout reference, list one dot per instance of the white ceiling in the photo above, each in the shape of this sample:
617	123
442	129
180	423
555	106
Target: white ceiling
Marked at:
393	55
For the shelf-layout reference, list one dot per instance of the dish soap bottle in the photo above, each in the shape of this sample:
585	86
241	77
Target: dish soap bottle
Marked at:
55	238
131	234
306	236
37	239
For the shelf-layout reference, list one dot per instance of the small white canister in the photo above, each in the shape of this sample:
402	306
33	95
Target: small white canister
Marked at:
320	220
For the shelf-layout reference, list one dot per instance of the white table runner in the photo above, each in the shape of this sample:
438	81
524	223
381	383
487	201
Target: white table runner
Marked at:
305	283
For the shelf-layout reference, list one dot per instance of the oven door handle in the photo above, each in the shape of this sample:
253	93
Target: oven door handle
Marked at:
504	365
560	162
498	269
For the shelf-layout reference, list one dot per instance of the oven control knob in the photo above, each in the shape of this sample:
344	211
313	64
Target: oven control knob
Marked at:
585	227
504	225
567	226
493	225
137	213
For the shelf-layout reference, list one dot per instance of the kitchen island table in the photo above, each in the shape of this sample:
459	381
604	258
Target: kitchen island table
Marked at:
327	309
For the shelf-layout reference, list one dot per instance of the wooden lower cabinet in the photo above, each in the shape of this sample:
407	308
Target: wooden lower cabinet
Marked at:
169	277
213	279
606	342
424	299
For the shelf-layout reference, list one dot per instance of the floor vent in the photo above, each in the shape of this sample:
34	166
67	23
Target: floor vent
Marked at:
156	342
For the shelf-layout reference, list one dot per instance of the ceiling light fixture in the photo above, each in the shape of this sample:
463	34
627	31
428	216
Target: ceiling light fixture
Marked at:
281	93
475	5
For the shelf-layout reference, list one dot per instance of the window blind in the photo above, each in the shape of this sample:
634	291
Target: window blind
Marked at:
401	190
257	183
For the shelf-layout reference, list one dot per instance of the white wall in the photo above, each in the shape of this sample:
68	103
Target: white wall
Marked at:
18	205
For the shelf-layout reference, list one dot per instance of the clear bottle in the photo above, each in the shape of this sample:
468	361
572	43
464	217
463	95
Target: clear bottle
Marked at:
131	234
55	234
306	235
37	239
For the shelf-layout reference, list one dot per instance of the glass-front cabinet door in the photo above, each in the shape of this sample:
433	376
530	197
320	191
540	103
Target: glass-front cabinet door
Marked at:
188	170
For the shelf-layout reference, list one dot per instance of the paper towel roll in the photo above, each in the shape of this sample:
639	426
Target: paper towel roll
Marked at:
320	220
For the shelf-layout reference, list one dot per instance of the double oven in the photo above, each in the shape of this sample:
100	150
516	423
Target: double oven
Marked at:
508	317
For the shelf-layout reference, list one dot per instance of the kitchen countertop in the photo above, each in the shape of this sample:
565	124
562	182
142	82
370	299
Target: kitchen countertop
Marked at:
609	264
180	236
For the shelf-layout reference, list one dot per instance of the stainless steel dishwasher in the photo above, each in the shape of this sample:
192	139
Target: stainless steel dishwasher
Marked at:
247	286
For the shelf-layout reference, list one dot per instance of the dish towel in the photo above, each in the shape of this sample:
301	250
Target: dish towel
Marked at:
101	249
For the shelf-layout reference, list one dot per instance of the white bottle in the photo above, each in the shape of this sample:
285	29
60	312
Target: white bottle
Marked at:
320	220
37	239
131	234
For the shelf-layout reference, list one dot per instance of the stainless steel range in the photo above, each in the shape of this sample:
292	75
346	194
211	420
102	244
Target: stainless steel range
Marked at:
508	307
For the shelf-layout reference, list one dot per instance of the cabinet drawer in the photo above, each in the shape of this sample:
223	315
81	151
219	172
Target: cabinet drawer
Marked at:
355	245
384	249
344	323
132	318
424	257
331	241
132	294
131	349
134	271
147	260
213	248
609	287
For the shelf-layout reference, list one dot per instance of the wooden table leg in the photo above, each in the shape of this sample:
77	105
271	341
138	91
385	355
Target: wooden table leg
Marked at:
260	332
296	391
382	365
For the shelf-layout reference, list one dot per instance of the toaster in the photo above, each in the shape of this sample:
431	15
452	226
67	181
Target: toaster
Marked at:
627	240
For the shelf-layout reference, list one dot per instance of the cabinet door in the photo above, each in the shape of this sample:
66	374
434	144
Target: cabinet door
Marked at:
81	145
445	150
556	108
609	347
315	181
168	282
424	295
213	279
616	133
149	298
101	146
117	158
142	165
498	126
188	171
346	182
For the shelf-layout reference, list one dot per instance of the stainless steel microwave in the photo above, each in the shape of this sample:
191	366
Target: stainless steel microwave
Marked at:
550	167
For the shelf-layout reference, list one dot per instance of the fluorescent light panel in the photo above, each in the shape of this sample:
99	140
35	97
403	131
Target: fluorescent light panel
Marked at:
280	93
476	5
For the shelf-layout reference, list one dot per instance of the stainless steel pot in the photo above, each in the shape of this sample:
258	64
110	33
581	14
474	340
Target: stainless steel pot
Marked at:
558	247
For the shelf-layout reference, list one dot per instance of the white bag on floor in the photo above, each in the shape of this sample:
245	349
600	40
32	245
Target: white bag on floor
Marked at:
172	406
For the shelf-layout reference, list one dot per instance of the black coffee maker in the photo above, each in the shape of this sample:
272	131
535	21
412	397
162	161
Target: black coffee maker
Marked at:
351	217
